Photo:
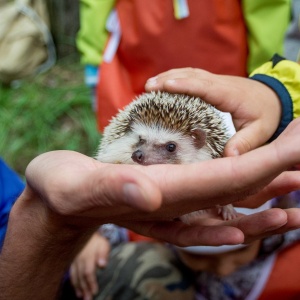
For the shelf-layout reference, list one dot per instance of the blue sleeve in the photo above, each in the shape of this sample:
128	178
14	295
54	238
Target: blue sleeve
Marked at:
283	77
11	186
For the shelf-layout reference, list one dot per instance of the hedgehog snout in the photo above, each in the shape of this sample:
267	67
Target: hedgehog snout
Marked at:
138	156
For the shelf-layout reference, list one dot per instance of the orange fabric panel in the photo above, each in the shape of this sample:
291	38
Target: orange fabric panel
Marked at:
213	37
113	92
135	237
284	281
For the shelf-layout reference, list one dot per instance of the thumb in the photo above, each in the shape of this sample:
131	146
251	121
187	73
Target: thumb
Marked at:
125	185
72	184
245	140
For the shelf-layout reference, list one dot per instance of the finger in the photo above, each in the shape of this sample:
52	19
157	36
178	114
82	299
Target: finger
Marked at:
285	183
131	186
73	275
241	177
208	86
83	273
103	184
102	259
153	83
293	215
90	280
75	281
180	234
102	249
258	224
102	262
293	222
87	296
285	144
204	88
215	232
246	139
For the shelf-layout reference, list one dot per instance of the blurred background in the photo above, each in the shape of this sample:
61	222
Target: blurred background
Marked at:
48	110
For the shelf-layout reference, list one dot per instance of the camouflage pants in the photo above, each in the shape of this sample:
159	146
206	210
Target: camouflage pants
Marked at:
142	271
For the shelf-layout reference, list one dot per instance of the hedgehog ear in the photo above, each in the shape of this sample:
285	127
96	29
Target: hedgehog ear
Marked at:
199	137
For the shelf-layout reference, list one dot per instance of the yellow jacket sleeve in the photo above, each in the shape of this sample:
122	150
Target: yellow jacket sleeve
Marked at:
266	23
92	35
283	76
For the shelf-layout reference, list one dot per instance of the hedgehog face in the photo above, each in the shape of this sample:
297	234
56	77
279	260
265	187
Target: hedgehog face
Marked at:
157	145
154	145
148	145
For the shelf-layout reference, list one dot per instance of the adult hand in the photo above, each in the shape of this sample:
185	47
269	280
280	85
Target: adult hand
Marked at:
83	269
68	195
255	108
103	193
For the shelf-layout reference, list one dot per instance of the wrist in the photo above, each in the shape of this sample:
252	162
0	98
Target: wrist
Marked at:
114	234
285	102
46	223
36	242
282	76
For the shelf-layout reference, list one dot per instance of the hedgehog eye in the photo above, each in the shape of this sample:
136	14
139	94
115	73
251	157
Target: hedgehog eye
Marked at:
141	140
171	147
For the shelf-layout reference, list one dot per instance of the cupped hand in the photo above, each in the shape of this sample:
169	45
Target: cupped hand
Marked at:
82	192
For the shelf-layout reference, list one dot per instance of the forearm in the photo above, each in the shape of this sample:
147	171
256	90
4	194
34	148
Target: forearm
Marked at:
37	251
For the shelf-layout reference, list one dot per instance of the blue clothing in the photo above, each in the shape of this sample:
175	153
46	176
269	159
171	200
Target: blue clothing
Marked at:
285	98
11	186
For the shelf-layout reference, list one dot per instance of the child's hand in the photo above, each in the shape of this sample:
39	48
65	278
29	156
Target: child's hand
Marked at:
83	269
255	108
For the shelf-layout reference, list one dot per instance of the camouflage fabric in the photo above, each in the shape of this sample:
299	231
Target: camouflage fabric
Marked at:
141	271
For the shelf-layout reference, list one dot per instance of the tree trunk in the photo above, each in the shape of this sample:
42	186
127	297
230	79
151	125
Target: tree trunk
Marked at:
64	20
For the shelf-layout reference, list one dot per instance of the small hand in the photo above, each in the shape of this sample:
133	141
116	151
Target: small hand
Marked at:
255	108
83	269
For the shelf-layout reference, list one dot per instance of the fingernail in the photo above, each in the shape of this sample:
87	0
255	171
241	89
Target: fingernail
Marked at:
170	82
133	195
152	81
101	262
235	152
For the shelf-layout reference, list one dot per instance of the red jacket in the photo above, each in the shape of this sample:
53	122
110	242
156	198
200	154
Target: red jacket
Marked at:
153	41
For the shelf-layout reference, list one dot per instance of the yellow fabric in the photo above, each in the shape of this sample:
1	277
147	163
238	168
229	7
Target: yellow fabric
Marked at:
176	9
288	73
92	35
267	22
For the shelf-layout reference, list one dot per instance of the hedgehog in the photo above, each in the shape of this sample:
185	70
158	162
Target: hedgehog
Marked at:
165	128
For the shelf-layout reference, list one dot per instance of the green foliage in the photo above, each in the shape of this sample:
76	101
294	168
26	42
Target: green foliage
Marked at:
49	112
